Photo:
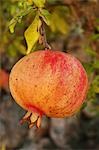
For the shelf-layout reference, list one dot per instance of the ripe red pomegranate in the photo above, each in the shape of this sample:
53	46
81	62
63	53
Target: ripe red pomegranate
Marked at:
50	83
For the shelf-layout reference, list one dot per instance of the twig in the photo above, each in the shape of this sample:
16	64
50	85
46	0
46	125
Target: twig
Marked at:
43	39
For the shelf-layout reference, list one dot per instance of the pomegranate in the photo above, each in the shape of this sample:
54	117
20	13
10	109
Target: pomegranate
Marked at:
50	83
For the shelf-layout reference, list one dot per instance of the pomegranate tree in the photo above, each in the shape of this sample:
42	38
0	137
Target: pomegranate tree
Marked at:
50	83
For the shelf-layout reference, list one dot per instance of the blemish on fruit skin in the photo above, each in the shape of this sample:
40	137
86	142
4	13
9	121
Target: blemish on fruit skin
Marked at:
33	66
35	85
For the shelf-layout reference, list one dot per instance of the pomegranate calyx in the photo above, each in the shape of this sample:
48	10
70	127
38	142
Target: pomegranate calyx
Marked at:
32	118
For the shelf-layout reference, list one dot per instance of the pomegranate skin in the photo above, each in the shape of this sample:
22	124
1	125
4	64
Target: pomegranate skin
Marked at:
50	83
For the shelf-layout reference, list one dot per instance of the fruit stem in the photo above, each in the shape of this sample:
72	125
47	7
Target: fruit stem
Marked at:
43	39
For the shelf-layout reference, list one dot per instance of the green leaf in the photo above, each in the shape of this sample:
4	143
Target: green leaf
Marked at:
83	106
32	33
91	93
25	12
46	16
96	84
12	25
11	51
89	68
95	36
97	20
18	18
58	23
20	48
39	3
97	27
90	51
96	64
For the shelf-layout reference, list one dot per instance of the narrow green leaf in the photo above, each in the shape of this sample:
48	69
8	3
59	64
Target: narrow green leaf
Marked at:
97	27
12	51
32	33
95	37
83	106
46	16
96	84
18	18
96	64
12	25
23	13
39	3
90	51
97	20
20	48
89	68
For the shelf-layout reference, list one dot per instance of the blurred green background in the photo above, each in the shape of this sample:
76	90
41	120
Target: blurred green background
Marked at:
74	28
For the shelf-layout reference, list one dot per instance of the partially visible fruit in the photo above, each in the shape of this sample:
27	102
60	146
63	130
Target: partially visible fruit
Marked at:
4	77
50	83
